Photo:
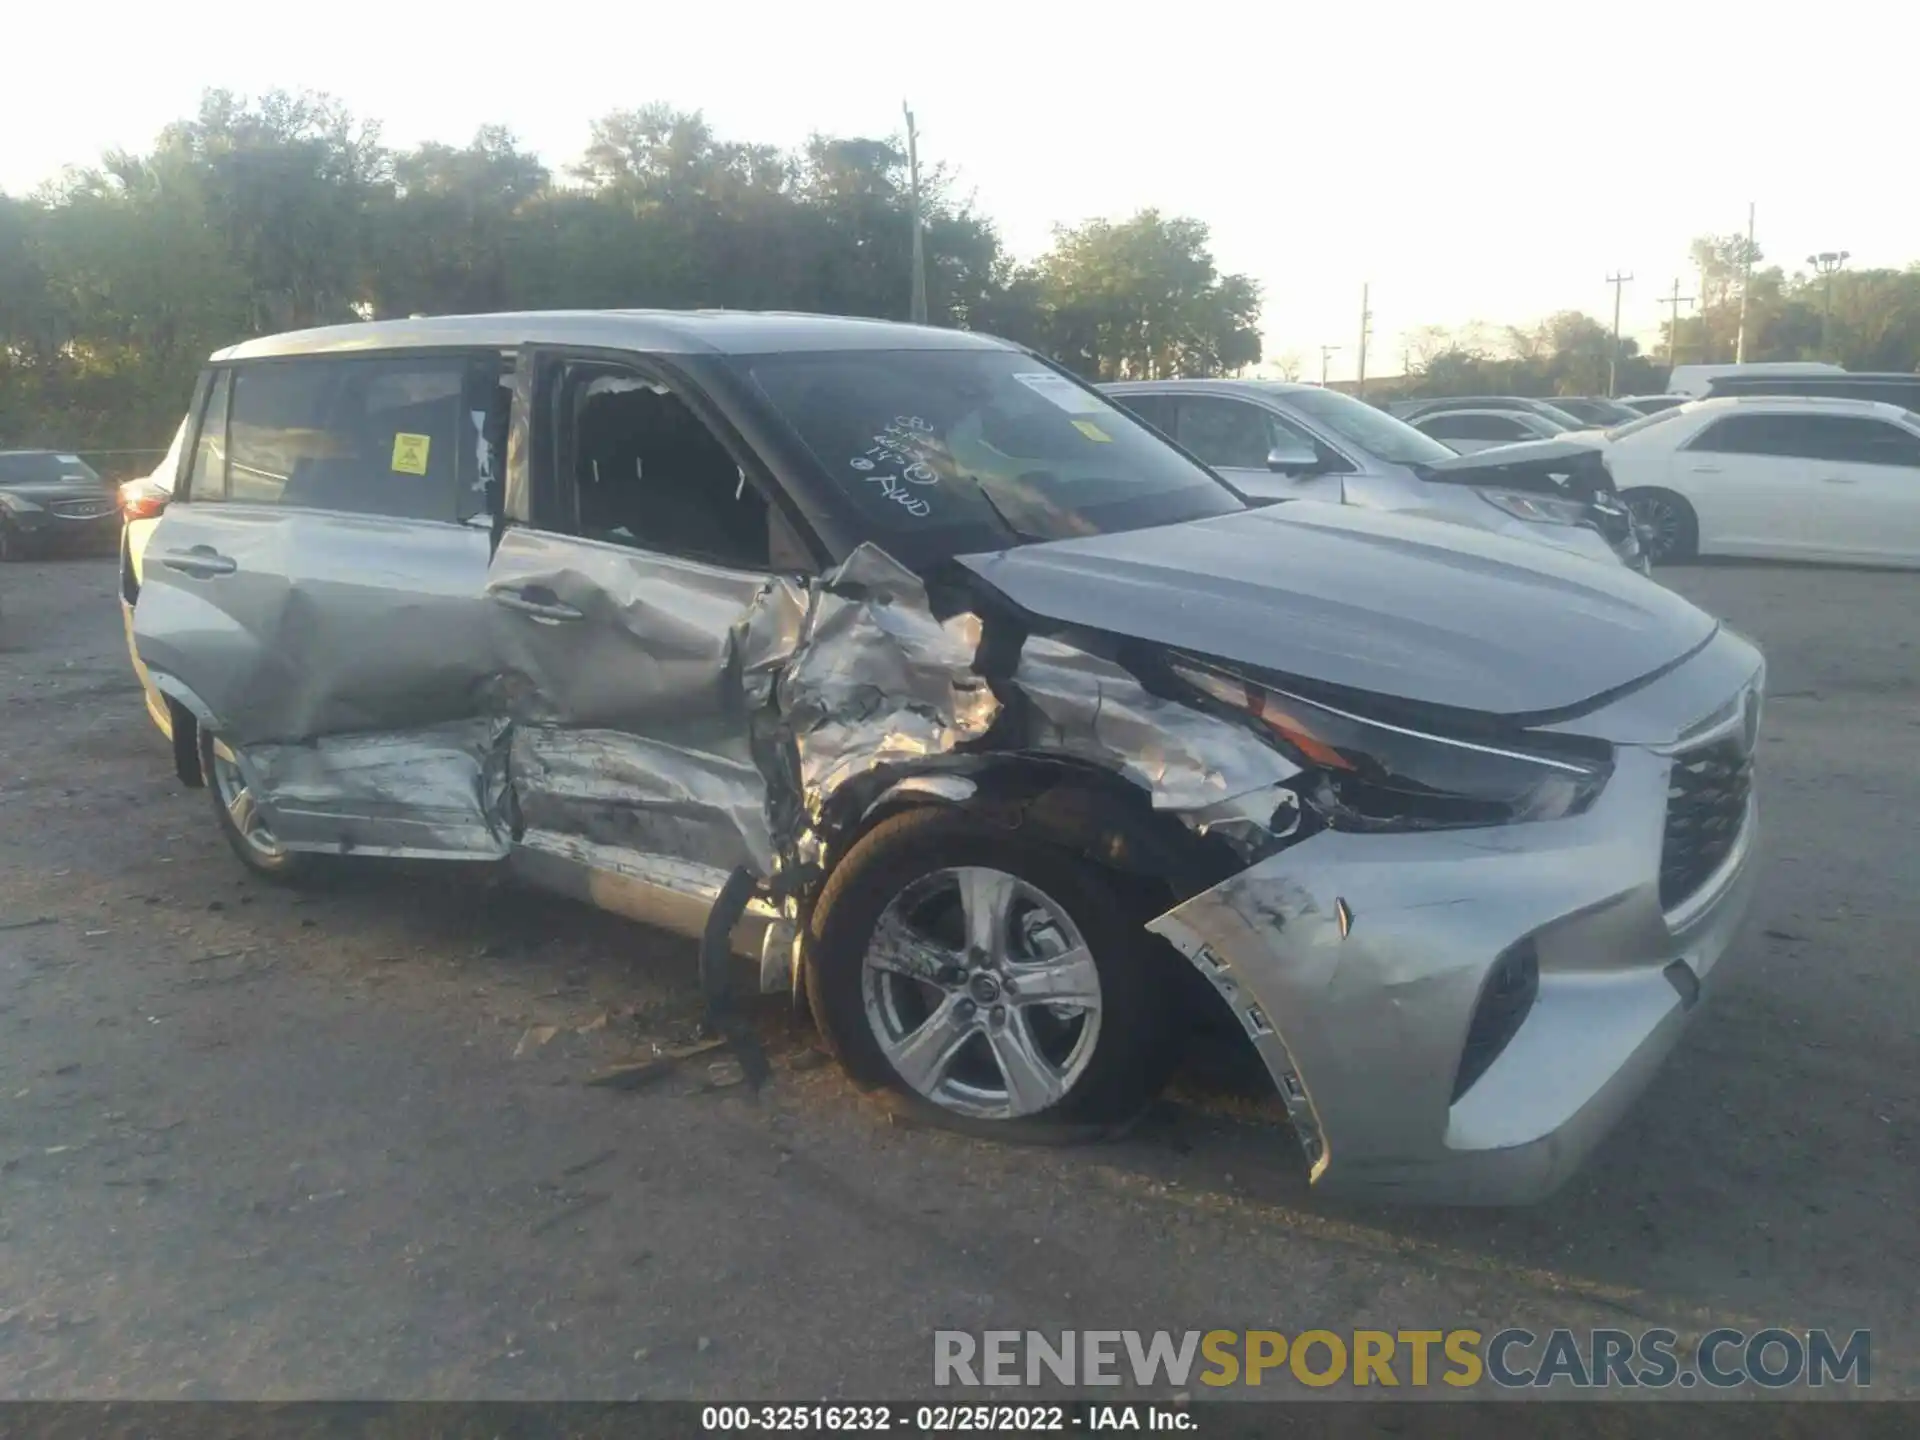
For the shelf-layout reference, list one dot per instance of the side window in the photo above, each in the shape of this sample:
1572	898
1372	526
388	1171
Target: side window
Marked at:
638	467
374	436
207	480
1859	441
1157	410
1742	435
1228	434
1476	427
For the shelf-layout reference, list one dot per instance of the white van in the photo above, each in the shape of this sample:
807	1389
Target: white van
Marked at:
1695	380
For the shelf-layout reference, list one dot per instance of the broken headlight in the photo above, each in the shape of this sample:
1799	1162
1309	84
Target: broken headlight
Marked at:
1365	774
1539	509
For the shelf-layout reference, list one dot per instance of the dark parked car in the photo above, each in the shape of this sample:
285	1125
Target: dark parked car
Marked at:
1888	388
991	719
54	503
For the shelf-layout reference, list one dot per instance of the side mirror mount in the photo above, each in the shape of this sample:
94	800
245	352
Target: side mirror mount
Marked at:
1292	456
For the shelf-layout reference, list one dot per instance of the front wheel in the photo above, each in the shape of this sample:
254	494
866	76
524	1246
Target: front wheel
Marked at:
237	812
1670	531
995	978
12	546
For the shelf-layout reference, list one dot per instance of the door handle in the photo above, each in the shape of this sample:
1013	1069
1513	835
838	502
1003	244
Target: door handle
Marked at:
1706	469
202	561
1838	480
539	602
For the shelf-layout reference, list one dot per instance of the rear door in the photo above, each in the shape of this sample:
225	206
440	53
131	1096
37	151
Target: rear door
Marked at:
315	594
1868	471
642	540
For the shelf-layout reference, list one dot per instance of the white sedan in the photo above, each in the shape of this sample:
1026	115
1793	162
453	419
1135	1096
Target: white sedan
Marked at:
1794	478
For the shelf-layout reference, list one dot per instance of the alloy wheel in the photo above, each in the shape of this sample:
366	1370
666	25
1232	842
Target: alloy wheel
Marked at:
982	993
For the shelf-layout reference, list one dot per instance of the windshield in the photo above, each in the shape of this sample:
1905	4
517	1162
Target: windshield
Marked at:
1379	434
950	449
43	467
1634	427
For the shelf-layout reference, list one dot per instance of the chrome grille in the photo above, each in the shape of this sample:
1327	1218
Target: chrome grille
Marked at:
1707	795
81	509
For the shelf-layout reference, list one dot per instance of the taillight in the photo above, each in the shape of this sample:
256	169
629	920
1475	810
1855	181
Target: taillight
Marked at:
141	500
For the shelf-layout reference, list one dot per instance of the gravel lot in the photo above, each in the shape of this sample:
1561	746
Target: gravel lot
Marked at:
259	1144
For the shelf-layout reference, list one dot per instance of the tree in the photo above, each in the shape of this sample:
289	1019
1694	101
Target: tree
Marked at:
1143	298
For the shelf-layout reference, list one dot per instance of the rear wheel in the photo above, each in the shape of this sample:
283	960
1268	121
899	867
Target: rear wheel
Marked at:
236	810
1670	532
994	978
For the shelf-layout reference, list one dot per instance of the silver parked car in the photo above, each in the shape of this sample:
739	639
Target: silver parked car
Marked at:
1272	440
899	659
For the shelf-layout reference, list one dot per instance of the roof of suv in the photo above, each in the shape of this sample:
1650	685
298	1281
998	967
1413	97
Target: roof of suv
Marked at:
667	332
1818	404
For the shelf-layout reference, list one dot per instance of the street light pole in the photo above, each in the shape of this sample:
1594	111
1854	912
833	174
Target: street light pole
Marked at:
1828	263
1325	352
1746	284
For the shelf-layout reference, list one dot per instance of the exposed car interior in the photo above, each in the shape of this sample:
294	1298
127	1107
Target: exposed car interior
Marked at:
647	472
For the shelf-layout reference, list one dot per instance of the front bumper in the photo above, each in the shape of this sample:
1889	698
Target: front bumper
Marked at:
47	532
1356	962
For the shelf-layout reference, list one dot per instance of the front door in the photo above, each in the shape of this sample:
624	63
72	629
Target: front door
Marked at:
1235	437
640	546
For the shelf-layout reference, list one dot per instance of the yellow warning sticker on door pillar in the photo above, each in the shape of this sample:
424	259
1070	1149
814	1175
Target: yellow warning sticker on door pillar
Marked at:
410	454
1091	431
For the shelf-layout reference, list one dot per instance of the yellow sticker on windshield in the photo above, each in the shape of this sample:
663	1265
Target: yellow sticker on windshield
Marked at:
1092	431
410	453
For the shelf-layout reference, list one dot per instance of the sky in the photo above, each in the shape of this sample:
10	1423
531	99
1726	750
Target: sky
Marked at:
1468	161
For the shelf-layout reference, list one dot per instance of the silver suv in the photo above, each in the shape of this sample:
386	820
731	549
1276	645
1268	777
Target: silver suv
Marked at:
1276	441
905	663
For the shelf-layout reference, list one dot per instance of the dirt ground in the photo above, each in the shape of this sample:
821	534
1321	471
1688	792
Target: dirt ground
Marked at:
264	1144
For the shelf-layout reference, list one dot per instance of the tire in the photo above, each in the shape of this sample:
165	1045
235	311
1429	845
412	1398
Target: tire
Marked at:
253	843
973	1041
1671	528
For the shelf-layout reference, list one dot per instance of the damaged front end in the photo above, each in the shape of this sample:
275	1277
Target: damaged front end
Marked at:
1551	483
1451	947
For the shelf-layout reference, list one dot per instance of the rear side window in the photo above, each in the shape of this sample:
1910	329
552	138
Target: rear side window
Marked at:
207	479
387	436
1475	427
1842	439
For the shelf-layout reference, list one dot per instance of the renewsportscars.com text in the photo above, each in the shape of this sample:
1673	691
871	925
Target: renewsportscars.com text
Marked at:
1509	1359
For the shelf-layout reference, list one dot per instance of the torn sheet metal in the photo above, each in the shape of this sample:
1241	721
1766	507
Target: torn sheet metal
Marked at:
1214	775
877	679
628	792
436	792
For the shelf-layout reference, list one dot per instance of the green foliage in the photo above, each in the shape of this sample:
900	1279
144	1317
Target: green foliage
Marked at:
266	215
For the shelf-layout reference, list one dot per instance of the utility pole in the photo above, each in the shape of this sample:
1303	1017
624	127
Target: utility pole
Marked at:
1613	355
1746	284
918	312
1325	352
1366	325
1676	300
1828	263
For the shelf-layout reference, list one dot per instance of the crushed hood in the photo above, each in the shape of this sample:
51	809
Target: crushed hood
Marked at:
1529	465
1367	600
